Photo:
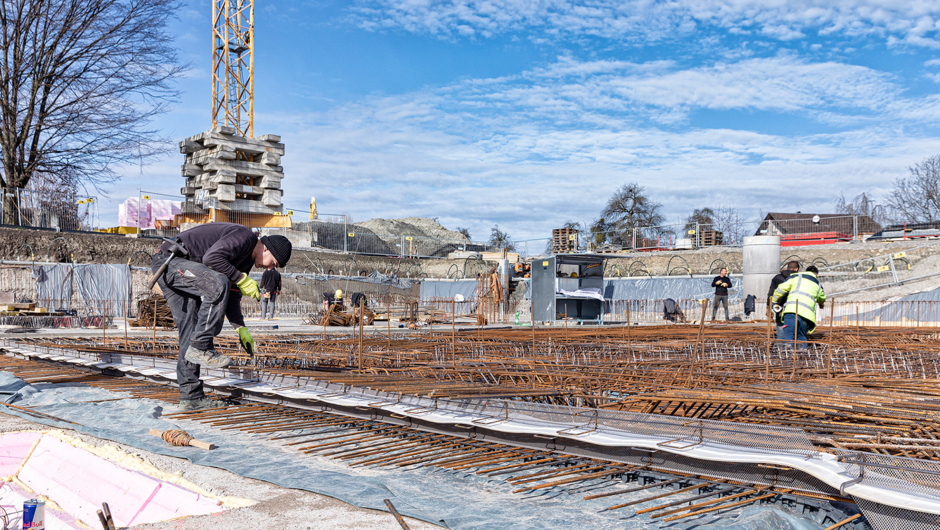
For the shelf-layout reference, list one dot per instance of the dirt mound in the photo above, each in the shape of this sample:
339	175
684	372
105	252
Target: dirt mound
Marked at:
412	226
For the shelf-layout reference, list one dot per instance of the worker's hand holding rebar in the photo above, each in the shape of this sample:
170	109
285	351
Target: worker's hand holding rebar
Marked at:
248	342
249	287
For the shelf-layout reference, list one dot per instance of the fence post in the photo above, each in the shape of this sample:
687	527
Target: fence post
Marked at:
401	251
345	236
634	239
854	228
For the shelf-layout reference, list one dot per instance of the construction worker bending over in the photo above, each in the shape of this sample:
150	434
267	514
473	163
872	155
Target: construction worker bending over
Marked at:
802	292
207	286
334	298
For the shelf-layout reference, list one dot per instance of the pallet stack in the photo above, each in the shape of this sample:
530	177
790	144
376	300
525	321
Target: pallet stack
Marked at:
711	238
564	240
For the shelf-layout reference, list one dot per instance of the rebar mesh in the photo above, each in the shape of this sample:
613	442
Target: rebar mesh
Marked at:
909	475
884	517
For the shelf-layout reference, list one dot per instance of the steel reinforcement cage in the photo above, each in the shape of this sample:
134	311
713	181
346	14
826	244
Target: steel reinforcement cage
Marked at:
580	431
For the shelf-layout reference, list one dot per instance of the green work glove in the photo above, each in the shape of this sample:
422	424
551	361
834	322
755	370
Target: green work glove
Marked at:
249	287
248	342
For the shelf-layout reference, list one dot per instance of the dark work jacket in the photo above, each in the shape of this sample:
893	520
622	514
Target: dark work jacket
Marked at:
774	283
271	281
355	299
720	290
223	247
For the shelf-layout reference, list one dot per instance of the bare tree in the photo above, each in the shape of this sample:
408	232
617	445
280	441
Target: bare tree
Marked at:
917	198
730	223
80	81
599	230
465	232
501	240
627	209
50	202
700	217
862	204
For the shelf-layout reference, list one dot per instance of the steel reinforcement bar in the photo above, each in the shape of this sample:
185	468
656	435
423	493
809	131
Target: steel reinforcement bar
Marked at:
903	489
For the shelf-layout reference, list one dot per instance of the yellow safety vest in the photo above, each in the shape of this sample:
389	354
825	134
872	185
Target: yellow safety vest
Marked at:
803	292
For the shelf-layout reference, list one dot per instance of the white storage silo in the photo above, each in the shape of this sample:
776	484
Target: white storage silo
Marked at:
761	264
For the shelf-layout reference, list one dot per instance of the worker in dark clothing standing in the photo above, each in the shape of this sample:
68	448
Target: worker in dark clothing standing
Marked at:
721	283
270	288
792	267
205	287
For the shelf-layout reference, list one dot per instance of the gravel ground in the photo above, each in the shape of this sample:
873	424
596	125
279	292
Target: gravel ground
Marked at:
276	507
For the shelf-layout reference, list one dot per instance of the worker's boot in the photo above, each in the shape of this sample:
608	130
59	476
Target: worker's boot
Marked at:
200	403
207	358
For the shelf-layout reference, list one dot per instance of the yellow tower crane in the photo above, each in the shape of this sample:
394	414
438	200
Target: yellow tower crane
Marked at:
233	65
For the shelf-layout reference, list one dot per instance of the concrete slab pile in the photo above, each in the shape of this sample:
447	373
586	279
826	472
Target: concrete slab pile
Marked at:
228	172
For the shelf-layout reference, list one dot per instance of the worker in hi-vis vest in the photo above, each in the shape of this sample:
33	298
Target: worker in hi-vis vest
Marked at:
803	292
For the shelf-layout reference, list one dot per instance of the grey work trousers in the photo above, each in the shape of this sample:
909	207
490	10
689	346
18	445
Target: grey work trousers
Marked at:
723	300
198	297
264	305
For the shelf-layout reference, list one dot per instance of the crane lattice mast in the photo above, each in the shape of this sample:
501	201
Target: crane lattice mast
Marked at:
233	65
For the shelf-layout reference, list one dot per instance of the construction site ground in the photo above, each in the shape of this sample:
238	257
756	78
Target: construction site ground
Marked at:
466	499
275	506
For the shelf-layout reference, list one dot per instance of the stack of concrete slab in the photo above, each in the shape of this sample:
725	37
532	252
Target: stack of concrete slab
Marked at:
229	172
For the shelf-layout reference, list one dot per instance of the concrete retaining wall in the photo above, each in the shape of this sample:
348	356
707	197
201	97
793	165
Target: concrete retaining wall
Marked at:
111	248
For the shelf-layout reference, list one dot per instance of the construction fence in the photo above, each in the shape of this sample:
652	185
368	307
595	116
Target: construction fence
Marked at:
116	290
686	236
680	236
36	207
66	289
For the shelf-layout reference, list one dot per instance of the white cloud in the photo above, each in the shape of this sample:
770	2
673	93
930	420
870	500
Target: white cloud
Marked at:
830	92
913	22
532	150
417	155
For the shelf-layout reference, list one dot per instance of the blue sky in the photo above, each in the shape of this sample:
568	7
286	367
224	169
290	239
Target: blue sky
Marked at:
528	113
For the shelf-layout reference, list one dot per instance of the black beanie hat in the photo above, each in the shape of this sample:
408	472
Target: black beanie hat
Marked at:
280	248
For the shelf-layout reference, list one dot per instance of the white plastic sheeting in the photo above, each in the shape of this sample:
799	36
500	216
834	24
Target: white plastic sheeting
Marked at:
147	212
100	287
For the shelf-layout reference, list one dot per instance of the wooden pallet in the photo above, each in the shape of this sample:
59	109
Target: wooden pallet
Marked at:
562	242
